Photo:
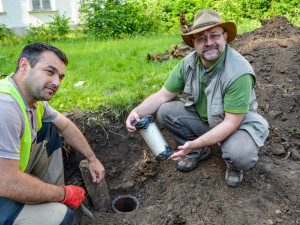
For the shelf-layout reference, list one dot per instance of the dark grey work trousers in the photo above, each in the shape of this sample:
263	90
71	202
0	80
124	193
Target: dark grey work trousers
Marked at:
239	149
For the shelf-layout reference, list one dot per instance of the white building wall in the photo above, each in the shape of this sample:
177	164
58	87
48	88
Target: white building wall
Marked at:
70	8
18	14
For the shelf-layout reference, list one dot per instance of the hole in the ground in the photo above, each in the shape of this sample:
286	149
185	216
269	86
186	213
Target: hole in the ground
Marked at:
125	204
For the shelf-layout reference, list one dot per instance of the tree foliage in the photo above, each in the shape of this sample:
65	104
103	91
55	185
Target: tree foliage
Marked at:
120	18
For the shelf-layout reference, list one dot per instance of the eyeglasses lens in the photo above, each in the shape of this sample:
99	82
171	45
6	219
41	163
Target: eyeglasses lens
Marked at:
214	37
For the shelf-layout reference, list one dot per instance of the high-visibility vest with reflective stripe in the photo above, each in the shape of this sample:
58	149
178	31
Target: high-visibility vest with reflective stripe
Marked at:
8	88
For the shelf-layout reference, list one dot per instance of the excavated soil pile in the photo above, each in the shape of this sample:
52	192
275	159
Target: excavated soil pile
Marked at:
270	191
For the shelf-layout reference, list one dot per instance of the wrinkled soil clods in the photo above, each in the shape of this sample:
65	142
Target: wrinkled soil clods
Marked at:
270	192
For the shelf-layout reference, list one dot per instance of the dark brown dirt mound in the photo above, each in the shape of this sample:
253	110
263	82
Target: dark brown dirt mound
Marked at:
273	50
278	27
270	191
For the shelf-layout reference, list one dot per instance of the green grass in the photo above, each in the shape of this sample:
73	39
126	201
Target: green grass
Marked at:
248	25
117	74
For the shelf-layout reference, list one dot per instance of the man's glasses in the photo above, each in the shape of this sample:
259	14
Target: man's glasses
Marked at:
213	37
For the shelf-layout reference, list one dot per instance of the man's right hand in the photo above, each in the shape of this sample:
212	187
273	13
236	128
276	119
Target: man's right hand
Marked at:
73	195
132	118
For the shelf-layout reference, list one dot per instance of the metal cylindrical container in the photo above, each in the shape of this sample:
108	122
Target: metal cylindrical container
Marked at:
125	204
153	137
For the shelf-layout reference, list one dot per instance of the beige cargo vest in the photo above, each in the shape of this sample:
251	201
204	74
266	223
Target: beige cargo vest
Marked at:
218	80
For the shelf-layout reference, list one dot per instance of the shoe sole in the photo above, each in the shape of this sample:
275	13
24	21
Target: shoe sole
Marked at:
232	183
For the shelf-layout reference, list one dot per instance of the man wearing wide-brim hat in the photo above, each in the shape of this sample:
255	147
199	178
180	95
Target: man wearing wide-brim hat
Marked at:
217	105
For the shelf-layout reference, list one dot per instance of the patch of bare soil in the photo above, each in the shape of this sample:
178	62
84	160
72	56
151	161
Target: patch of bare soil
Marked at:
270	192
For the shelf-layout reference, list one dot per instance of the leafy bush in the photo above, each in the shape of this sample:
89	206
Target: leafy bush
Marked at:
51	31
241	10
6	35
289	8
59	26
229	11
255	9
190	8
118	19
39	33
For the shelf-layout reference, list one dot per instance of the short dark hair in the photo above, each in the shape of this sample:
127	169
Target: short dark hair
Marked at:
33	51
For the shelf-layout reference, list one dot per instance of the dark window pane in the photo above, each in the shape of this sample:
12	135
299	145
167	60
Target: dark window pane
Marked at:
46	4
36	4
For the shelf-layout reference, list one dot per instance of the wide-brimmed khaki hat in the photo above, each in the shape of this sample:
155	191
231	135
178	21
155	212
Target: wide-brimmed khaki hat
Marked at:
206	19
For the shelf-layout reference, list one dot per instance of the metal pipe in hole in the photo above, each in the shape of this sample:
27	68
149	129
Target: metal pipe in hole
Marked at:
125	204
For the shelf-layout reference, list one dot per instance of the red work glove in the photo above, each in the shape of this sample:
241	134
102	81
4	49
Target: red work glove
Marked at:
73	195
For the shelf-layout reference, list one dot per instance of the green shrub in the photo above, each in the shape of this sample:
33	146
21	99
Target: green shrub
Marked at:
39	33
189	7
255	9
118	19
288	8
7	36
229	11
59	26
240	10
48	32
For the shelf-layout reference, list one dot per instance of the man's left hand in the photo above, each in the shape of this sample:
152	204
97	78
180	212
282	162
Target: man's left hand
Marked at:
184	150
97	170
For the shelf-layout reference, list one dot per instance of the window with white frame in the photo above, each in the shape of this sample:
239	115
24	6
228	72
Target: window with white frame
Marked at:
1	7
41	5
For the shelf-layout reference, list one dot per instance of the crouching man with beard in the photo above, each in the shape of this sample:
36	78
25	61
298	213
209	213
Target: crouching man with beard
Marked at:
219	104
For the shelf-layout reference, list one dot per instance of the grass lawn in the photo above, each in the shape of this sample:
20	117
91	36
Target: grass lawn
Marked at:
117	73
